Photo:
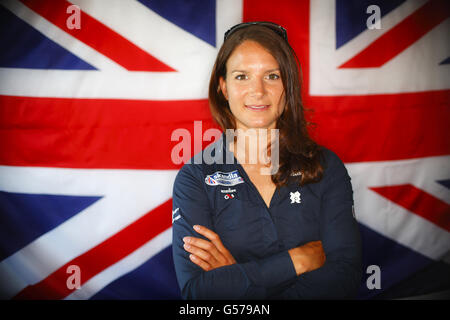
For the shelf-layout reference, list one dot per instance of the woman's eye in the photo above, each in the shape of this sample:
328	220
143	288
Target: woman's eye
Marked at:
273	76
240	77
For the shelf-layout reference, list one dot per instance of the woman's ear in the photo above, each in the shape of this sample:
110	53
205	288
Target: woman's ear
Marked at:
223	87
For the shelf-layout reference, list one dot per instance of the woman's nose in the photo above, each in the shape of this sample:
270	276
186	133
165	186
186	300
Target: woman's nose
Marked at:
257	87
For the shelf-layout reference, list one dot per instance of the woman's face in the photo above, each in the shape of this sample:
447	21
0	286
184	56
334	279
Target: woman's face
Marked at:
253	87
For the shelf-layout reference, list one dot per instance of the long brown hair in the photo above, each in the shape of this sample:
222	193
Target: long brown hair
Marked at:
297	151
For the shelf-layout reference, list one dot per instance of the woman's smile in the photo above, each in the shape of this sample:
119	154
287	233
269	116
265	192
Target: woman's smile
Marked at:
258	107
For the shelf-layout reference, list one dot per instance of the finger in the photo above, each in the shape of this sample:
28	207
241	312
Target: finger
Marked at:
207	246
202	254
315	245
202	264
215	239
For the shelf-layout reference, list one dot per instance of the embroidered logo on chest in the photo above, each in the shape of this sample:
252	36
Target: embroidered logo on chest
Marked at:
224	178
295	197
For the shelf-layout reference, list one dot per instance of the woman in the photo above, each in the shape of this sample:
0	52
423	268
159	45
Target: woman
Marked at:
241	234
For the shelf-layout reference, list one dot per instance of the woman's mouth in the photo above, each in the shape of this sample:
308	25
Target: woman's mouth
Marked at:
257	107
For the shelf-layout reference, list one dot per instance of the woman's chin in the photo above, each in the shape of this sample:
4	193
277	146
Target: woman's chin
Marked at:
260	125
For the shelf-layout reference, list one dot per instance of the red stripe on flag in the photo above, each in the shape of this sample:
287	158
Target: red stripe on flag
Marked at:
401	36
383	127
95	133
418	202
103	255
109	43
131	134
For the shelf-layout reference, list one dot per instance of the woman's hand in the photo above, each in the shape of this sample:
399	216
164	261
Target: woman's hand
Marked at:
208	255
307	257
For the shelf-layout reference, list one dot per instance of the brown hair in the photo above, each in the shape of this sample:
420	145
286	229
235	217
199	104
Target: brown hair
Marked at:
297	151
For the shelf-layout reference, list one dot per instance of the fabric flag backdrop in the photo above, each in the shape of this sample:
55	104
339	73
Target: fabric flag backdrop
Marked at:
88	104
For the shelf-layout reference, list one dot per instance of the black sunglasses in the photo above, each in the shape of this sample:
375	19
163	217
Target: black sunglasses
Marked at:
273	26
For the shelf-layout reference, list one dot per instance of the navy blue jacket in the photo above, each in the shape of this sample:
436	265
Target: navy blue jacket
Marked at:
222	198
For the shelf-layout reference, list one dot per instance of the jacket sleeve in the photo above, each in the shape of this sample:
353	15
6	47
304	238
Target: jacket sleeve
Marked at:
340	276
249	280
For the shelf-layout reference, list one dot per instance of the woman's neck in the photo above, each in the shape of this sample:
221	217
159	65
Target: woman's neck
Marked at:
251	146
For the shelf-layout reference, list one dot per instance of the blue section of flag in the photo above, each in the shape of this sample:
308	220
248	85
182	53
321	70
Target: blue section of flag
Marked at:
445	183
25	217
351	17
25	47
396	261
153	280
197	17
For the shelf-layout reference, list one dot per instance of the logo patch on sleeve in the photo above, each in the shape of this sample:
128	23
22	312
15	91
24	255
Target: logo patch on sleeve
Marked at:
224	178
175	216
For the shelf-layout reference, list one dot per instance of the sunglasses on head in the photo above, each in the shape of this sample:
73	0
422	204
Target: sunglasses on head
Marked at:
273	26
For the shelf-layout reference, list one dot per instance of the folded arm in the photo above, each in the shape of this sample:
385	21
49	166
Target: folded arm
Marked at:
248	280
340	276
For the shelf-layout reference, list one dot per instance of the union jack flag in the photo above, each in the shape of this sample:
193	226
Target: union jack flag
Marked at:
87	113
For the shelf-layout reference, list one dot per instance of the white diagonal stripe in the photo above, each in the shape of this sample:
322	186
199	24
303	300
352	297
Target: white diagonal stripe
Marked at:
65	40
162	39
122	267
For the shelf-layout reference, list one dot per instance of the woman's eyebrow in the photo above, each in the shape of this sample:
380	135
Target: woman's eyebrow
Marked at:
243	71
